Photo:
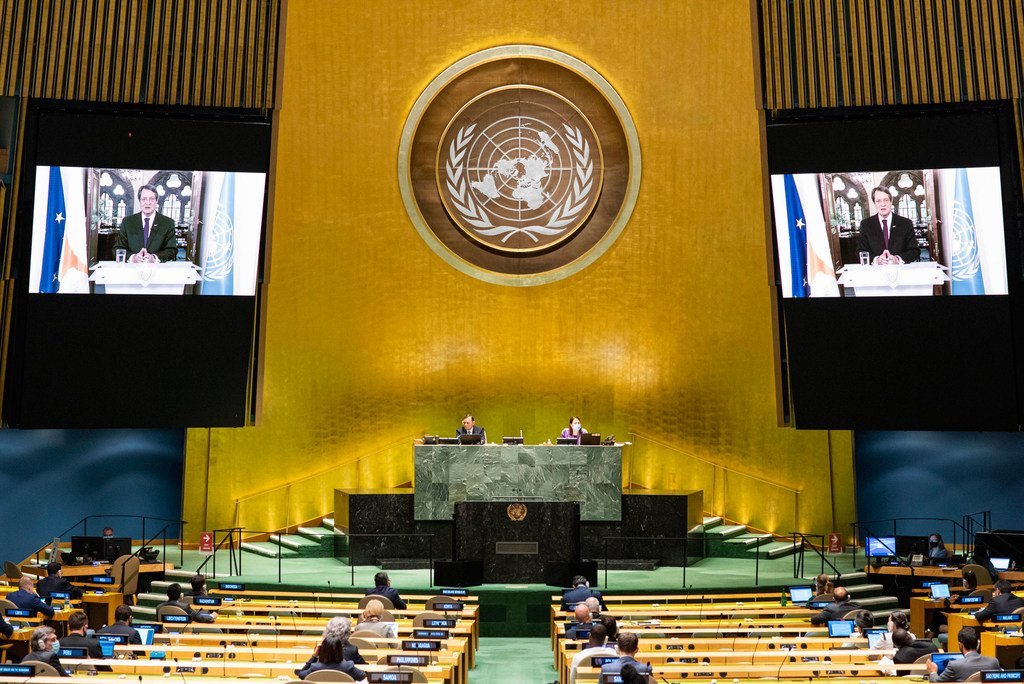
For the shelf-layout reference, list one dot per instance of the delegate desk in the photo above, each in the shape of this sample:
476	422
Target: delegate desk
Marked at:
446	474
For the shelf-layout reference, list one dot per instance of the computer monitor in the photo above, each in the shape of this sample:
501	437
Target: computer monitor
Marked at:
107	648
800	594
566	441
146	634
582	634
840	628
879	547
1000	564
590	439
115	547
942	659
818	604
471	439
940	591
87	547
511	440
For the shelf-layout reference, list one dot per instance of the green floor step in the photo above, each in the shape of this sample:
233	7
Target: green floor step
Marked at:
268	550
726	531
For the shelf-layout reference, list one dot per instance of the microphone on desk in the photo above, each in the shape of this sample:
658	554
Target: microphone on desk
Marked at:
180	673
224	659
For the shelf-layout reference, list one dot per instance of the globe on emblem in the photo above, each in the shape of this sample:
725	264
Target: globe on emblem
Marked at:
519	169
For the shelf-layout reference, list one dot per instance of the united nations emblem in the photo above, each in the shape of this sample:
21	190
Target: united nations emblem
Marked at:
519	165
519	169
517	512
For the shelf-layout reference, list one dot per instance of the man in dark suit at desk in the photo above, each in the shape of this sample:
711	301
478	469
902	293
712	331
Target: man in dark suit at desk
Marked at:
26	598
174	599
626	646
54	582
384	589
1003	602
469	427
580	592
148	236
889	238
840	606
123	625
78	622
960	670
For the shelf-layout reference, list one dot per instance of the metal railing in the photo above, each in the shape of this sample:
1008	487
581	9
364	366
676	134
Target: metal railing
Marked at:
962	536
430	551
714	478
798	556
84	523
686	549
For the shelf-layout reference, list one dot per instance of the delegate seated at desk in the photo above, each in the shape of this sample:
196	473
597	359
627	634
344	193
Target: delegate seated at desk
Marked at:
26	598
1003	602
469	427
574	431
148	236
887	237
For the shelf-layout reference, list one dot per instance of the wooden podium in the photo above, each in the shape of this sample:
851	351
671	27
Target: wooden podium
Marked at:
169	278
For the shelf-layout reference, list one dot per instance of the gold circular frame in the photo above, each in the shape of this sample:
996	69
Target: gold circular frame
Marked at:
540	53
596	192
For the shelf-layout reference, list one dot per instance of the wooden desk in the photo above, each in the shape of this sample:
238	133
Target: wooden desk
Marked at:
1007	649
69	571
929	571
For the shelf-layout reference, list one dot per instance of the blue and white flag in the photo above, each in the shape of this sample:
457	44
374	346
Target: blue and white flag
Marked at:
219	242
965	263
53	241
797	226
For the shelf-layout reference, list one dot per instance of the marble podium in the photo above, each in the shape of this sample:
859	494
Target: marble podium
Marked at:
447	474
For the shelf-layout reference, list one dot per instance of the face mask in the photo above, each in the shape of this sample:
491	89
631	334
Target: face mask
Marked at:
56	645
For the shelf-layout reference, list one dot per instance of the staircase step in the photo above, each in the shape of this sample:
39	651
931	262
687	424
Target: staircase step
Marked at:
328	523
864	589
708	523
318	533
873	602
773	550
268	550
727	531
750	540
295	542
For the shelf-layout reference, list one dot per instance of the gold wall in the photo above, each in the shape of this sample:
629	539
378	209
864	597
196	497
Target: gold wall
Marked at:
371	339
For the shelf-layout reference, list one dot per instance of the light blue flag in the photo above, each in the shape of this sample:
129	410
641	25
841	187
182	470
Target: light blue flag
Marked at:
797	225
53	241
965	264
218	269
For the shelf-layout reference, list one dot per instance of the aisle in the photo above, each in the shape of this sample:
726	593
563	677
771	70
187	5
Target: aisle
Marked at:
513	661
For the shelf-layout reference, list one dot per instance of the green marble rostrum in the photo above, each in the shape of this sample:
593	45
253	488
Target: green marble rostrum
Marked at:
446	474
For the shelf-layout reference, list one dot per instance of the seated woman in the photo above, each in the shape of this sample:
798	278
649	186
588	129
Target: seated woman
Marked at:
371	621
823	585
329	655
574	431
341	628
897	620
936	548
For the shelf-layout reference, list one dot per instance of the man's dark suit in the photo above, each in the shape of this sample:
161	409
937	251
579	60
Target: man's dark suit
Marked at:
77	641
908	654
581	593
477	430
5	629
615	667
48	657
389	593
52	583
162	241
902	241
1004	604
28	601
959	670
834	611
122	629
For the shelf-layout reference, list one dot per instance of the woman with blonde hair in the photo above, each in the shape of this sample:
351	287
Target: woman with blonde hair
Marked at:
372	620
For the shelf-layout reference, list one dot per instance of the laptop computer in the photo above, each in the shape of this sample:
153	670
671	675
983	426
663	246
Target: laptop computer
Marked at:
942	659
940	591
800	594
840	628
1000	564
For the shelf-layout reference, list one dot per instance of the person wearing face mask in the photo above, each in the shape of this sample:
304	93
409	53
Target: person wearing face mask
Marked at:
574	431
936	548
44	646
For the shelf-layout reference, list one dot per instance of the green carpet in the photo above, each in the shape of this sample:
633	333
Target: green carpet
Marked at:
511	610
525	661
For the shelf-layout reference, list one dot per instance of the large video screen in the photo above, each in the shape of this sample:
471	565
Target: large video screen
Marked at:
897	270
897	232
145	231
158	217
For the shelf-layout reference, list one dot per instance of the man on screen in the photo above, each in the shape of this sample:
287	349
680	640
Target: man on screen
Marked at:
889	238
148	237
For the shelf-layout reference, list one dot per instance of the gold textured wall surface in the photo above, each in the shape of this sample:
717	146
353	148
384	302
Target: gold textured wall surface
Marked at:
371	339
